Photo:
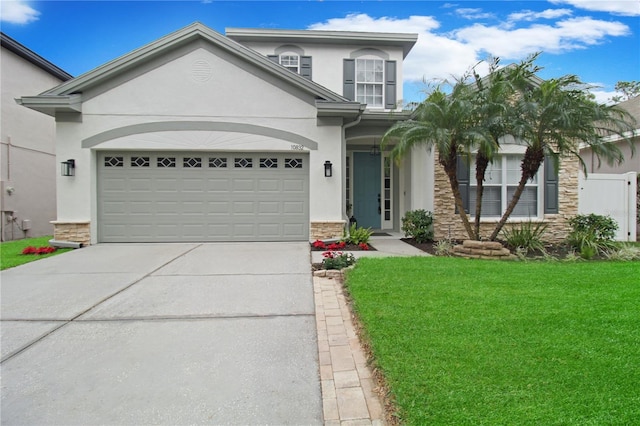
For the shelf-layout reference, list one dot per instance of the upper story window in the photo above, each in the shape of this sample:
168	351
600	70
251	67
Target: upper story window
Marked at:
290	62
370	82
294	59
370	78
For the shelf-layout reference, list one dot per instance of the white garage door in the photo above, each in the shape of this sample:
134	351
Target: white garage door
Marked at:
196	196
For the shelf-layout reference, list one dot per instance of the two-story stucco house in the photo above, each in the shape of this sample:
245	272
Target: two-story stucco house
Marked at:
257	135
27	144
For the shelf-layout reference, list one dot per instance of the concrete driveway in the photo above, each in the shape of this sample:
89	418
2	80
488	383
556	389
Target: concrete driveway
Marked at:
161	334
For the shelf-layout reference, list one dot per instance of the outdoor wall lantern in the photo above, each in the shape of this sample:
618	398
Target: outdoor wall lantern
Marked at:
68	168
328	169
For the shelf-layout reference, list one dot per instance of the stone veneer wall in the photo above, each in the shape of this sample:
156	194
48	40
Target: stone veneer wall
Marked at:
77	232
327	230
447	223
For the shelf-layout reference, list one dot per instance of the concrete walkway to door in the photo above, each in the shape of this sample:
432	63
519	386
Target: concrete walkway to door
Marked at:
162	334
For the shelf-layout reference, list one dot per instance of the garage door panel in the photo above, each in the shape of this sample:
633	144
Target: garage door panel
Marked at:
269	207
218	185
269	185
169	185
114	207
244	207
244	230
293	185
294	230
140	184
243	185
146	197
293	207
269	230
219	208
219	231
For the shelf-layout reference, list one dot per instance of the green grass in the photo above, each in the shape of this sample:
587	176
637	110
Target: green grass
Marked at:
465	342
11	251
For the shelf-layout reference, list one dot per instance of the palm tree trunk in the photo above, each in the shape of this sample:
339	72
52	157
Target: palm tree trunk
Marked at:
530	165
449	163
481	167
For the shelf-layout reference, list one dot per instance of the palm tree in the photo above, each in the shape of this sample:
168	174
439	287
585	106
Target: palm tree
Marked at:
446	122
493	99
554	118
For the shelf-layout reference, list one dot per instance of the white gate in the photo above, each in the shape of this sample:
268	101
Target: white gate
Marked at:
611	195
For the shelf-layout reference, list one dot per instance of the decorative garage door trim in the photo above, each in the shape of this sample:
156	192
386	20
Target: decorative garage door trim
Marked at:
202	196
172	126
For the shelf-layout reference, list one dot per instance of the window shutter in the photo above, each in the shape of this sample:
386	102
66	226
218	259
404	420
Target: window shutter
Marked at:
274	58
349	79
550	186
464	181
390	85
305	66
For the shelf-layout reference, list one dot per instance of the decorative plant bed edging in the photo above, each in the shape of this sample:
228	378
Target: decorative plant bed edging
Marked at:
472	249
337	274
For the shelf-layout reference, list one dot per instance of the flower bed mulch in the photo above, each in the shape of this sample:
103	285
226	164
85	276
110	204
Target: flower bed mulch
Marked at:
557	251
346	247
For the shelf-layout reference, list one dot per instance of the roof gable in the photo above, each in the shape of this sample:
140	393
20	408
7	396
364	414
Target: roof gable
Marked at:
37	60
196	31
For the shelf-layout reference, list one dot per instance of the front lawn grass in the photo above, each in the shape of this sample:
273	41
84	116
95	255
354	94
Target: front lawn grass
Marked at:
463	342
11	251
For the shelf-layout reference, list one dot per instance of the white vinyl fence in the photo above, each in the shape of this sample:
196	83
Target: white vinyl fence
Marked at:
611	195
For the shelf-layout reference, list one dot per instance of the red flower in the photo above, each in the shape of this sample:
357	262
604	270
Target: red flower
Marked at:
38	250
342	244
333	246
319	244
363	246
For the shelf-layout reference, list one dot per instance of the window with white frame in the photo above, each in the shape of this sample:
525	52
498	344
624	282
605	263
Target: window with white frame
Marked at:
370	82
290	61
501	180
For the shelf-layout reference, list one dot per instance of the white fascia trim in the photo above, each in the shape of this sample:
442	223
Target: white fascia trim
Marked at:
615	138
51	104
404	40
342	109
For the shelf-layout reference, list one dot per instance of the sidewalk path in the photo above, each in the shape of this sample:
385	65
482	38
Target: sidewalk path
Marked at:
349	394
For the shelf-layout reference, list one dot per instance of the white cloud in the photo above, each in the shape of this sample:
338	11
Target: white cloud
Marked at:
17	12
442	55
473	13
528	15
516	43
433	56
617	7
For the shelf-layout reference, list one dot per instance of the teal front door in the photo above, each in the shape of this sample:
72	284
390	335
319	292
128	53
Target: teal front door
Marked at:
366	190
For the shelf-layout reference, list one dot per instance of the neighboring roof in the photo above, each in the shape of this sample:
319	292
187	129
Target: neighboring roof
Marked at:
37	60
64	97
404	40
632	106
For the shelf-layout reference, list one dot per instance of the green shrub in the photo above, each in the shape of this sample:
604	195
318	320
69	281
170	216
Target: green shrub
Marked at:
527	237
418	224
602	227
358	235
592	234
337	260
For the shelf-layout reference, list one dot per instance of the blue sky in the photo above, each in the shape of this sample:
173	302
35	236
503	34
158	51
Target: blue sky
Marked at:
597	40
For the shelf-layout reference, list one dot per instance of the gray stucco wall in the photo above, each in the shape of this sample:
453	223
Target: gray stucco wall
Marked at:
27	151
